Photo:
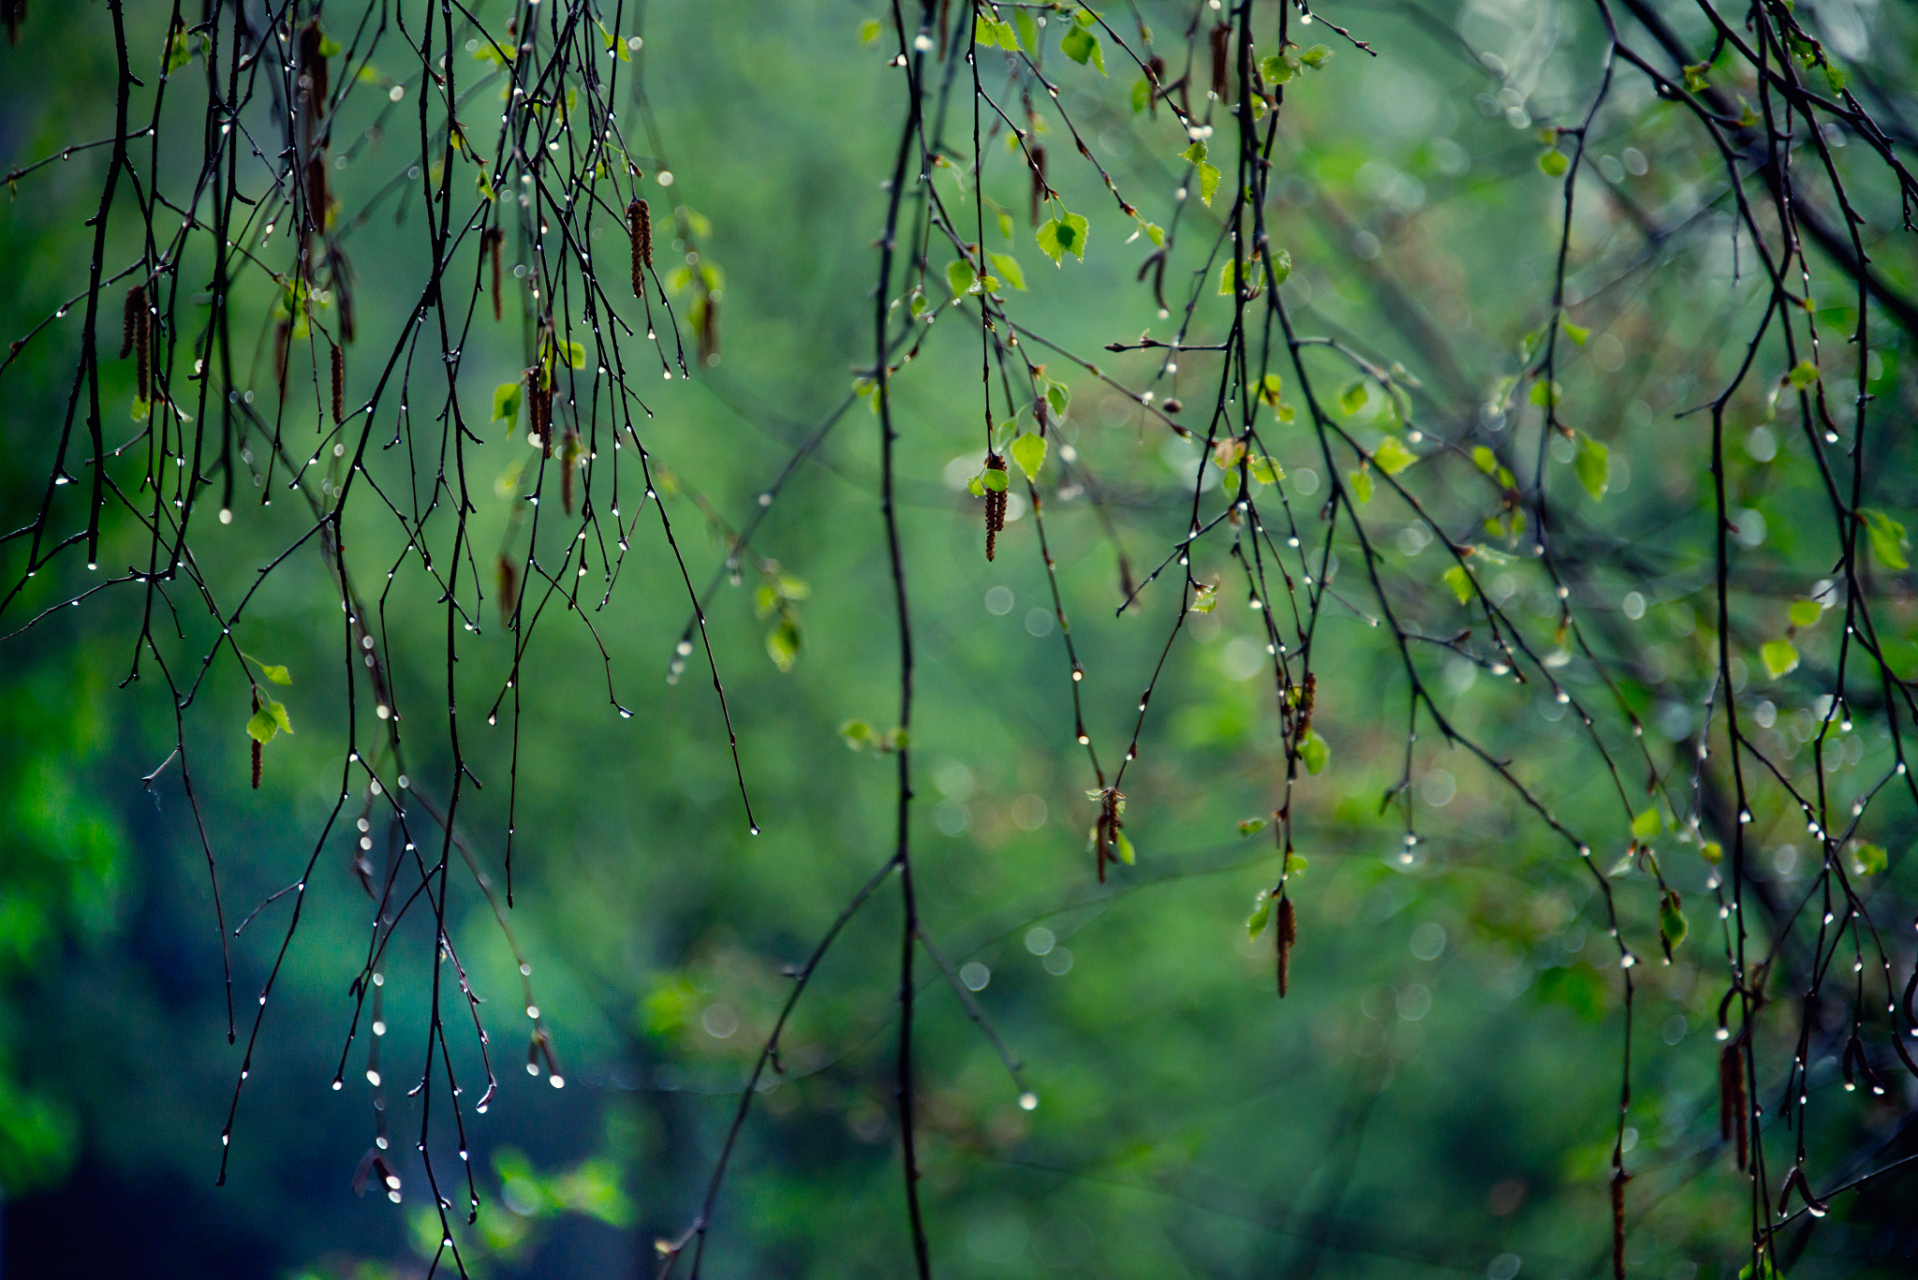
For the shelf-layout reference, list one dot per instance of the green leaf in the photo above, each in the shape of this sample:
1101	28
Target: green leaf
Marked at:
506	398
1779	656
1296	864
1671	921
1546	393
1460	582
1251	826
1081	45
268	721
1265	470
576	354
1361	483
329	47
1592	462
857	734
1805	613
976	487
1261	905
1803	374
1008	266
1554	163
1058	237
1695	79
1353	398
1317	56
869	31
783	642
1254	275
1887	539
995	480
1712	852
1392	456
1275	69
1313	751
1123	847
1269	388
278	675
178	51
1870	859
1029	451
1646	825
1141	95
1207	598
1058	396
1577	332
1484	459
1028	30
1281	267
961	278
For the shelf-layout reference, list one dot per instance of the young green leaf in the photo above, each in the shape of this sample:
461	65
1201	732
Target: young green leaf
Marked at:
1296	864
1887	538
1712	852
1261	909
1058	397
1141	95
857	734
1484	459
1779	656
1870	859
1353	398
961	278
1281	266
1029	451
1361	484
1803	374
1269	388
1646	825
1251	826
1275	69
1805	613
1577	332
1060	236
1317	56
995	480
1592	462
1028	30
1314	751
1554	163
278	675
1392	456
1671	922
506	399
1265	470
1460	582
1008	266
1123	847
1081	46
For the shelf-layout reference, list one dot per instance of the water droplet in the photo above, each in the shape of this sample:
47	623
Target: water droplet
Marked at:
1028	1100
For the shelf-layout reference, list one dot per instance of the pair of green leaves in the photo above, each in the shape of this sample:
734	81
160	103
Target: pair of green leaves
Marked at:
1062	235
1081	45
1887	538
1279	68
266	723
1208	172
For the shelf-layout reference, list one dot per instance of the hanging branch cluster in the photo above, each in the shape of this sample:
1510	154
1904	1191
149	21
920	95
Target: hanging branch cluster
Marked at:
262	229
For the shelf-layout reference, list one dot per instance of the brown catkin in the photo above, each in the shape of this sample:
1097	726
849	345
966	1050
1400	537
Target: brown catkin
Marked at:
1039	187
639	222
1732	1118
995	506
135	300
316	197
142	344
508	590
568	459
1155	74
490	245
258	755
1288	933
313	62
539	411
1619	1179
339	386
1221	58
15	13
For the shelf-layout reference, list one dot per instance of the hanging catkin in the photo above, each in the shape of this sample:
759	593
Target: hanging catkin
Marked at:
1619	1179
1039	187
257	753
1221	44
339	386
995	506
639	220
1732	1124
491	243
539	411
1288	933
131	318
